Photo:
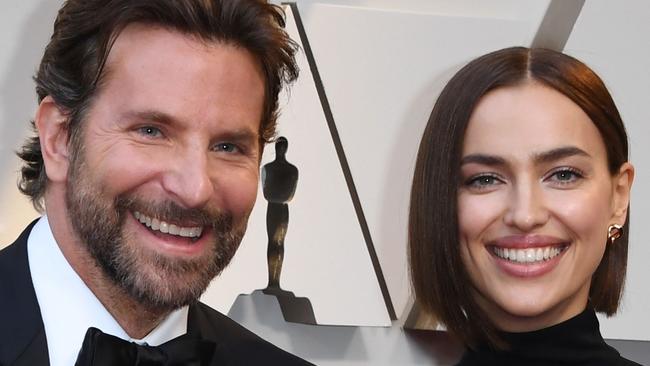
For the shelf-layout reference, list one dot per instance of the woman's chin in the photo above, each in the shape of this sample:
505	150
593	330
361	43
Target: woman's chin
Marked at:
529	314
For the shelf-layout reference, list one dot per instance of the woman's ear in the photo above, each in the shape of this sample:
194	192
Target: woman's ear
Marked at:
51	124
622	184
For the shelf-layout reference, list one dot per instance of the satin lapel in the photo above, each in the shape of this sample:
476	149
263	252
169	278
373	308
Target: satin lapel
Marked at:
196	322
201	325
22	335
209	324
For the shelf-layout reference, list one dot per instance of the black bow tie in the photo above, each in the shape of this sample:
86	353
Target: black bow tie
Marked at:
101	349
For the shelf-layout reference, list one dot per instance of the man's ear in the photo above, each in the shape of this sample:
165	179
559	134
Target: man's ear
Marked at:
622	186
51	124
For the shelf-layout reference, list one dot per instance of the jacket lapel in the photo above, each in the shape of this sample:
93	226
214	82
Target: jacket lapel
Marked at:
22	334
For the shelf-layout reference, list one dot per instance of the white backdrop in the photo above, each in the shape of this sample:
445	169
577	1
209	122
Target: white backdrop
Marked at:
382	63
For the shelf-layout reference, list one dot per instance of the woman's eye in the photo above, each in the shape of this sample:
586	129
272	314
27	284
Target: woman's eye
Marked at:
150	131
483	181
564	176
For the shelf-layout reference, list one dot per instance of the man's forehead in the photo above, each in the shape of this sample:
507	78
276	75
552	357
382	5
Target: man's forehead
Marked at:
150	42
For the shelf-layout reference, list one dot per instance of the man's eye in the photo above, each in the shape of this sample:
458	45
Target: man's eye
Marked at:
150	131
226	147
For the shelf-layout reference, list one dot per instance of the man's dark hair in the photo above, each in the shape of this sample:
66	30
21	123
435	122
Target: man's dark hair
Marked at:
72	68
441	282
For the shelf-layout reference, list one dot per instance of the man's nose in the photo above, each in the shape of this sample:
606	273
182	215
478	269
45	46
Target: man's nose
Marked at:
188	178
526	207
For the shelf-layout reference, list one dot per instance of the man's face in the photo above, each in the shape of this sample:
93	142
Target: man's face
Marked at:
166	175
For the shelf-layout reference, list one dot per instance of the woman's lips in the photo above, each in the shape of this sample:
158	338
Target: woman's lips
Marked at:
527	255
527	241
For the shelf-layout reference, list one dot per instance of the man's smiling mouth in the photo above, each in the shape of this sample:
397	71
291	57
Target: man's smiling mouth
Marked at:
164	227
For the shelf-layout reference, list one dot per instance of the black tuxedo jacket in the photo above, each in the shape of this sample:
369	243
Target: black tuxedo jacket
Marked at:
22	334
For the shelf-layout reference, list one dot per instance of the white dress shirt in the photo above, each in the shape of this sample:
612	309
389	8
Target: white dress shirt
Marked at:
69	308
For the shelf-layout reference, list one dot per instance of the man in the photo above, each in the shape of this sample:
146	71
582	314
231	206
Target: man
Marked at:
149	133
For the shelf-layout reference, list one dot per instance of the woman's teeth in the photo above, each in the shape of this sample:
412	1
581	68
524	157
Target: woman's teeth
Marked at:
166	228
529	255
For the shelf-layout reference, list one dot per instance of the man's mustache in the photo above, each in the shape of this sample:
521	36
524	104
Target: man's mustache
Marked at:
171	212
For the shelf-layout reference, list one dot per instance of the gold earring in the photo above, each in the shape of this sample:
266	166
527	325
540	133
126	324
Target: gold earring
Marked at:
613	232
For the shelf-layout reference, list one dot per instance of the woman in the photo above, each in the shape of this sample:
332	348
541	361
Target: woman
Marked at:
519	209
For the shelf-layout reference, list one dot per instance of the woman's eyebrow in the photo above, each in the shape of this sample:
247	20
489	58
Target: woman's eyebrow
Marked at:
559	153
539	158
483	159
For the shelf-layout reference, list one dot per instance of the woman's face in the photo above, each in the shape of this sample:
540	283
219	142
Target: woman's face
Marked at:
535	201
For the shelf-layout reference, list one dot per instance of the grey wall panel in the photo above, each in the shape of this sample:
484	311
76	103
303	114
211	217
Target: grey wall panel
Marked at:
614	39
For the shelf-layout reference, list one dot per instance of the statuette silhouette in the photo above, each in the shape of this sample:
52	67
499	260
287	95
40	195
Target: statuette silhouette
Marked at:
279	182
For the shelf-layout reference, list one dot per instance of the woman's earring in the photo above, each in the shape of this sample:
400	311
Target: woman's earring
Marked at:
613	232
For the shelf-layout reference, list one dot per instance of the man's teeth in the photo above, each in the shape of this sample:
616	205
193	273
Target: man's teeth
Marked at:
166	228
529	255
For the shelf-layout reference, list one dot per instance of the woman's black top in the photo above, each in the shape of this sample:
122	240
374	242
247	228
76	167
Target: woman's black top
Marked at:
576	341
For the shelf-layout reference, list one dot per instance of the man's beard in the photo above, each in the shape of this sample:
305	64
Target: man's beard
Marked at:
152	279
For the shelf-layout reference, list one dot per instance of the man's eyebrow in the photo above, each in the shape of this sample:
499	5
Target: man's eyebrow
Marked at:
151	116
244	135
240	135
559	153
483	159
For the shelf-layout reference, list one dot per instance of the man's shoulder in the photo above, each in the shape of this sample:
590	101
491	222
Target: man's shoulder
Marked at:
236	344
13	261
22	337
8	252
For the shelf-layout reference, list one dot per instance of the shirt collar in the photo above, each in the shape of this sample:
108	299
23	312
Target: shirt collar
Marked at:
68	306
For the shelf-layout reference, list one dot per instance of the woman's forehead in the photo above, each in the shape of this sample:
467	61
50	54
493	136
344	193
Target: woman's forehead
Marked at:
529	119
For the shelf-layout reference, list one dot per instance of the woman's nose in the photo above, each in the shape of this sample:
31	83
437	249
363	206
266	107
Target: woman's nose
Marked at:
526	209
